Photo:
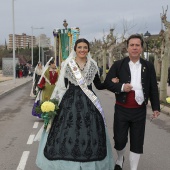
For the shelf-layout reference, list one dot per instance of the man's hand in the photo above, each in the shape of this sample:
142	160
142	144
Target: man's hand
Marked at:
154	115
127	87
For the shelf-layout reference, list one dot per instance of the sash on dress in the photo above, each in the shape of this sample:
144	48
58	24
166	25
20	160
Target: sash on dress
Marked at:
82	83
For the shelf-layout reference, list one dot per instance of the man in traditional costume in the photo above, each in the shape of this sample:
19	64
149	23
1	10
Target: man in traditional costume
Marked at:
136	83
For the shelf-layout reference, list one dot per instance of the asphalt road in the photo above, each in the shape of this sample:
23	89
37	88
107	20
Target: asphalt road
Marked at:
157	137
18	129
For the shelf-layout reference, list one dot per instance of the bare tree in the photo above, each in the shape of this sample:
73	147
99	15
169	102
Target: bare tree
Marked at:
165	52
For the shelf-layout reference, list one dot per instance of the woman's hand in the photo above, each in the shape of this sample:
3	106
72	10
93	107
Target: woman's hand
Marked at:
115	80
127	87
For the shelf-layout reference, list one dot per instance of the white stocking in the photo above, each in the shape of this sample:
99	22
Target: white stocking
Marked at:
134	160
120	154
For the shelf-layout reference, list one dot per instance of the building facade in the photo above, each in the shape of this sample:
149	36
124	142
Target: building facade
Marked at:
21	41
43	41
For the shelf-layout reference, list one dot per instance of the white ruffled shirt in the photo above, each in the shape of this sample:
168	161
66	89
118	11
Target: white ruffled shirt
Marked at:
135	69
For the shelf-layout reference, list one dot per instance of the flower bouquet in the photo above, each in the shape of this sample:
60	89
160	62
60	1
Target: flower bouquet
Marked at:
47	110
168	100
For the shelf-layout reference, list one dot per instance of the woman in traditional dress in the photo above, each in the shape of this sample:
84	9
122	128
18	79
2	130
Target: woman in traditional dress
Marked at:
46	84
78	138
48	80
36	76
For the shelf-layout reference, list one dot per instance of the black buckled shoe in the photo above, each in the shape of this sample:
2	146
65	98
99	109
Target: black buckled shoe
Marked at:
118	167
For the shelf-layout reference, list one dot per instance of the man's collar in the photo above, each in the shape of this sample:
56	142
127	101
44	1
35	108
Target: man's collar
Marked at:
132	63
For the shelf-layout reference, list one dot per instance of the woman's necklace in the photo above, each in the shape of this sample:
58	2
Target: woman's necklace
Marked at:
81	66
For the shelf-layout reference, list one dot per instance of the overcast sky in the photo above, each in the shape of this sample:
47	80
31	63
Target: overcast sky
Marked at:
93	17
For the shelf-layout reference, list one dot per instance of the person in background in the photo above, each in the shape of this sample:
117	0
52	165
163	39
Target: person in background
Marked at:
25	70
31	70
78	137
17	70
48	80
133	80
36	76
45	85
20	70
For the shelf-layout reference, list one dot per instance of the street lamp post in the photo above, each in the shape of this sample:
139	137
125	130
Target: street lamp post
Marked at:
43	52
147	35
46	57
13	21
147	57
39	48
55	33
32	62
33	46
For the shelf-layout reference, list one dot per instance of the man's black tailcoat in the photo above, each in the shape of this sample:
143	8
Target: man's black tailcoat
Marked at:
121	70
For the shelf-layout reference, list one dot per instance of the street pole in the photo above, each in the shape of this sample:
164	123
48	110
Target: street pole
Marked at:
147	35
147	52
55	48
33	43
56	53
42	56
32	48
39	48
13	21
43	53
104	62
46	57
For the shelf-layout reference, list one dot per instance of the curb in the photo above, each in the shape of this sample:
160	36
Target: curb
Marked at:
11	90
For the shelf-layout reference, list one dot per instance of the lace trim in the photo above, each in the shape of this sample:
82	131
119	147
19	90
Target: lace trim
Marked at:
88	73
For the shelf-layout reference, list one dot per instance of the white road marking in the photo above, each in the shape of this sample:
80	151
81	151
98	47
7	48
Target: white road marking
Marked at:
30	139
38	136
23	160
35	125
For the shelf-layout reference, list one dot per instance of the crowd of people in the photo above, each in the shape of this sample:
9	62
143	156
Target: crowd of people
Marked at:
78	138
24	70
